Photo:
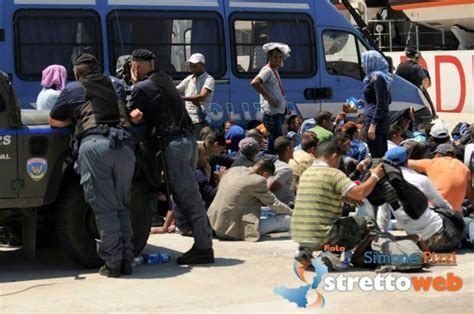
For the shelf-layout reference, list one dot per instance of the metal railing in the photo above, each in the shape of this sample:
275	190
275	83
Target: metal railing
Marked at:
384	32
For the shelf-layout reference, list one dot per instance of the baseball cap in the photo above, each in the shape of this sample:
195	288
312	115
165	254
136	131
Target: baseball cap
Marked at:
412	53
397	155
197	58
439	130
142	55
233	137
445	149
84	58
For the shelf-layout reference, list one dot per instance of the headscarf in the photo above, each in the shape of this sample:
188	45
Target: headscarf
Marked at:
54	75
375	64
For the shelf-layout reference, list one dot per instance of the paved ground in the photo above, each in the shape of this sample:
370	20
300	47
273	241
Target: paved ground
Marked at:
242	280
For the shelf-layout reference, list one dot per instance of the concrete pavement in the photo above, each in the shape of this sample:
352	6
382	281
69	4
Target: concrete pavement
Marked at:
242	280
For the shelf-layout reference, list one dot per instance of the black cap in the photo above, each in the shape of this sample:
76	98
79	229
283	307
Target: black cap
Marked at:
412	53
142	55
85	58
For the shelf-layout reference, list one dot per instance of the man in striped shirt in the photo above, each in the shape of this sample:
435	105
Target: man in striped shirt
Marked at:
322	190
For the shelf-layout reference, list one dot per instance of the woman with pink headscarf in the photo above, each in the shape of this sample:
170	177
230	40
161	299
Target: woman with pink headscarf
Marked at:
53	82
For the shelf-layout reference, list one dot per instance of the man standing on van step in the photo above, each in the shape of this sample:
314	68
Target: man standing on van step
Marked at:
412	71
272	95
106	160
155	100
198	90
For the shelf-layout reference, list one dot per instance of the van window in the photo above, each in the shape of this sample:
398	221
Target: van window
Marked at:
250	32
172	36
342	53
45	37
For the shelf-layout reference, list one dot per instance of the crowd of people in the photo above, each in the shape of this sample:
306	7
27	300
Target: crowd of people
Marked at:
329	180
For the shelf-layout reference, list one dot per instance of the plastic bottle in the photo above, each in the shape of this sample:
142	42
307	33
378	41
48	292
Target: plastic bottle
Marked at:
156	258
138	261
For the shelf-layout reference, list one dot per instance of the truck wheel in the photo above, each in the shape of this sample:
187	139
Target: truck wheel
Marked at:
77	231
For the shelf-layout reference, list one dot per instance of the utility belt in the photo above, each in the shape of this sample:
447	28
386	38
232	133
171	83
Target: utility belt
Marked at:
116	135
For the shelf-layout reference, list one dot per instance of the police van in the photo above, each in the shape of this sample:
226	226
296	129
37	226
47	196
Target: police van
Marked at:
322	72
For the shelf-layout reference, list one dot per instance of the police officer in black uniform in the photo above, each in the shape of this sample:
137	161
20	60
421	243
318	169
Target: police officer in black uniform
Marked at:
105	158
412	71
155	100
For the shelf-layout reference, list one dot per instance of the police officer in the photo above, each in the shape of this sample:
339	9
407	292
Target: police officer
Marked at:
412	71
105	161
155	100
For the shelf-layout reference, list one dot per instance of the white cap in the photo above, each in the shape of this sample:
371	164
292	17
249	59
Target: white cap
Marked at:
439	130
197	58
284	48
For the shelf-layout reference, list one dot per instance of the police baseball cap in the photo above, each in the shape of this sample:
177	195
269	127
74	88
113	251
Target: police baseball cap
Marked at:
412	53
445	149
197	58
142	55
85	58
397	155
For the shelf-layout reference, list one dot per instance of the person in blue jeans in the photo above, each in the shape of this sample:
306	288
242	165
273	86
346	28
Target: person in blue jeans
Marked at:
378	81
272	95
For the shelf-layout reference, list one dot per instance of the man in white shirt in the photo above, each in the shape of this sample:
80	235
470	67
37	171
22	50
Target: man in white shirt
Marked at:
433	228
197	91
272	95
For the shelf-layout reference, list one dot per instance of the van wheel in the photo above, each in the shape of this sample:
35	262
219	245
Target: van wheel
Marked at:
77	231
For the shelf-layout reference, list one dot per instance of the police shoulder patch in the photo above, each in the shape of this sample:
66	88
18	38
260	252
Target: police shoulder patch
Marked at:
37	168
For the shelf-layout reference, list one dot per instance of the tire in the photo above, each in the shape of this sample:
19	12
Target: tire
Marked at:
76	229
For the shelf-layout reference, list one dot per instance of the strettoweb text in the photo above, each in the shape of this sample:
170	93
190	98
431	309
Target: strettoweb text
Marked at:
391	283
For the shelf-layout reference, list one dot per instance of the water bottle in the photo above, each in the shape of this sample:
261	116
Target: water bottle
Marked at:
157	258
138	261
355	103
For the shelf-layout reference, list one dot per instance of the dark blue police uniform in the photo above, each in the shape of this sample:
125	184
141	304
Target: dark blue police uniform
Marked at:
105	162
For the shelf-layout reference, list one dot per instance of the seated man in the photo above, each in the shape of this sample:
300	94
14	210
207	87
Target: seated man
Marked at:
437	231
347	164
304	158
247	153
203	174
235	212
450	176
294	124
324	126
359	150
395	136
262	147
281	184
317	215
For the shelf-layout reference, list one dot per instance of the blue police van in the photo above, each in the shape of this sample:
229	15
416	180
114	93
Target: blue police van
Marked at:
323	71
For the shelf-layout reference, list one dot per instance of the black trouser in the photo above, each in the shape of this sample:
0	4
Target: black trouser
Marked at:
378	147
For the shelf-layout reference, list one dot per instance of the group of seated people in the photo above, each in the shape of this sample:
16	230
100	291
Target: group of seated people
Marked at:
320	181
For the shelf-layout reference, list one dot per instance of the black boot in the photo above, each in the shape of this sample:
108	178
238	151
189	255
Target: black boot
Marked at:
126	268
196	256
107	272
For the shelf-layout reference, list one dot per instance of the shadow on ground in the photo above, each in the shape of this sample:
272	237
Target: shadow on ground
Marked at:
52	263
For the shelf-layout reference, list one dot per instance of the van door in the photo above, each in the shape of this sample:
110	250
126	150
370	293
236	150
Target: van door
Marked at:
341	66
8	163
251	25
